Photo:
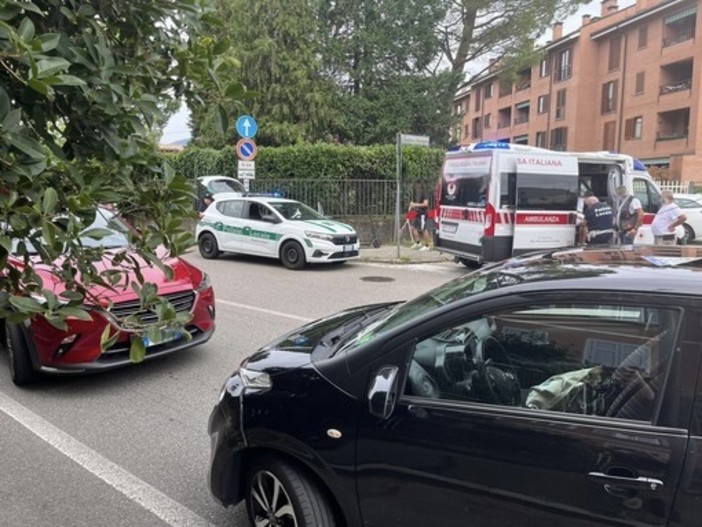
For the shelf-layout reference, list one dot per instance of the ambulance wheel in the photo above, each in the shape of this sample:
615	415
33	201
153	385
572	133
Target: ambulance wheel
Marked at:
208	246
293	255
470	264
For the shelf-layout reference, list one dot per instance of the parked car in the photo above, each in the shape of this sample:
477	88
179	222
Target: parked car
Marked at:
210	186
39	347
692	207
554	389
275	228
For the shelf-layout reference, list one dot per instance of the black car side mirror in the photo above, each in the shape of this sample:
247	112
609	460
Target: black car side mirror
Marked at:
383	392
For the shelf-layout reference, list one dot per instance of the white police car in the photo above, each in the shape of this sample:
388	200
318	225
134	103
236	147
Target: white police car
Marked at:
275	228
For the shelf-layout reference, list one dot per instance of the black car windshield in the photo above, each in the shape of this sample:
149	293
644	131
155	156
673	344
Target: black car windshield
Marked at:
452	291
104	220
296	211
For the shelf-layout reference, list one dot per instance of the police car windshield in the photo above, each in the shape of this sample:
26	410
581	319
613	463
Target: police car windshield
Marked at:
296	211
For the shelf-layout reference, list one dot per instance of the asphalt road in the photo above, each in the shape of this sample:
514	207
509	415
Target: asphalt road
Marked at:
130	447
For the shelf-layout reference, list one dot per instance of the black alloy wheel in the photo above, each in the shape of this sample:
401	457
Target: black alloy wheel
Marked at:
208	246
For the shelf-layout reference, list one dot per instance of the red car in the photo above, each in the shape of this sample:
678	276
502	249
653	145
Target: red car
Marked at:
38	347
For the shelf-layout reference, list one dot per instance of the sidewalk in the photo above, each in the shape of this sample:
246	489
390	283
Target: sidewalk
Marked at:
388	254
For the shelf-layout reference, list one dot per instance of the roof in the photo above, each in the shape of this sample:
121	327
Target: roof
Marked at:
638	17
643	269
222	196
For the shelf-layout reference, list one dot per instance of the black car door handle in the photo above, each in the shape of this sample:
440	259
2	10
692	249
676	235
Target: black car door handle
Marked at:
624	482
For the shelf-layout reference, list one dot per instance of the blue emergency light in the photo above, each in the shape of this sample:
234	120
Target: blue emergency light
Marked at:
492	145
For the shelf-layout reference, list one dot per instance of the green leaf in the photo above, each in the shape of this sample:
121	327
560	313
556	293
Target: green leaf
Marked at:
221	46
39	86
221	121
107	340
75	312
49	201
49	41
26	30
96	234
26	145
4	103
51	66
137	351
12	120
26	304
68	80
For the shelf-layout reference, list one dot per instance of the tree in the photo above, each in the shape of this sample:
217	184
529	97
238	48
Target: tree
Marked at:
382	55
80	87
503	30
277	45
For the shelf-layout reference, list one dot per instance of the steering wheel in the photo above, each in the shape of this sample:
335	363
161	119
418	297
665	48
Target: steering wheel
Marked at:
502	384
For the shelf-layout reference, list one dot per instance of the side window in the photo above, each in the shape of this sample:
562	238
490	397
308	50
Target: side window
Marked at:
647	195
508	190
232	209
259	212
601	360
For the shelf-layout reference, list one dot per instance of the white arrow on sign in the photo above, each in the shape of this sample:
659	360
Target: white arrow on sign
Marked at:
247	126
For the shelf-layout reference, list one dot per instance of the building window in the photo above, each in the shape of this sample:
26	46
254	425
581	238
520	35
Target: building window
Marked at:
615	52
673	125
609	97
477	129
521	140
488	91
609	136
559	139
633	128
505	88
643	37
487	121
564	65
542	104
545	68
679	27
560	104
541	139
477	100
466	131
676	77
457	134
640	82
458	108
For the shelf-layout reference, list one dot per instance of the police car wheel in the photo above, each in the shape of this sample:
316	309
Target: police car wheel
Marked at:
208	246
293	255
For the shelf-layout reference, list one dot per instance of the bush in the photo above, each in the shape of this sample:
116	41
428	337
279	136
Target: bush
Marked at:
318	161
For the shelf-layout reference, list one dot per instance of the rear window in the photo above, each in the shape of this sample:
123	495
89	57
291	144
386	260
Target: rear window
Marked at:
547	192
465	191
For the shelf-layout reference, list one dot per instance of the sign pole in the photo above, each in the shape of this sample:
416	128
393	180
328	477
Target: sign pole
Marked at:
398	193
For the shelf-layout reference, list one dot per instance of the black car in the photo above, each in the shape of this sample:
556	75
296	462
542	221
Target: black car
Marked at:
551	390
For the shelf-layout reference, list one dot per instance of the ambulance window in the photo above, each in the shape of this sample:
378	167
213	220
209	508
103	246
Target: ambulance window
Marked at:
547	192
466	192
508	190
647	195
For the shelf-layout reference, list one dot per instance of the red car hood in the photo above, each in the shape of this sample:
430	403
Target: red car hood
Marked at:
185	276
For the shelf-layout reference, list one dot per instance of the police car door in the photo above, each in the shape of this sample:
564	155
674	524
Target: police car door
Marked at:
261	230
547	199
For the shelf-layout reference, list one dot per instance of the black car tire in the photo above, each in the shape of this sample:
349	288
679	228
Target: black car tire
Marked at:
22	371
207	244
304	498
689	236
293	255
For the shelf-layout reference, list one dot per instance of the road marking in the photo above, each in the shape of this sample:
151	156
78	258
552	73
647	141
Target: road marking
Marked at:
151	499
263	310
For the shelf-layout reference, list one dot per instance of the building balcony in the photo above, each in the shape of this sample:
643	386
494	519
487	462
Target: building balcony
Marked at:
503	124
672	135
523	85
677	38
674	87
563	73
521	119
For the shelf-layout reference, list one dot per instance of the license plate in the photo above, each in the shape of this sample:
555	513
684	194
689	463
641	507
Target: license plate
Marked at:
449	228
348	248
166	336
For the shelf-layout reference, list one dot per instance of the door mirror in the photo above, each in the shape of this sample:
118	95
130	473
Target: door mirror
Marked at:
383	392
270	219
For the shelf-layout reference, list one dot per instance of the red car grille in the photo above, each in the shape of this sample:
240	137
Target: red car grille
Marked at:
182	302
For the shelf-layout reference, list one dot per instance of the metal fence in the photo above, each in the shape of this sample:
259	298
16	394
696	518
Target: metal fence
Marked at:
346	197
677	187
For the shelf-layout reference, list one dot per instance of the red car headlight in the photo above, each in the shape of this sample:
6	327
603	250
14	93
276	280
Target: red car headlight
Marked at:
205	283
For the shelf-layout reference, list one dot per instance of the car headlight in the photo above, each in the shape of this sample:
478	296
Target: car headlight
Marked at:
255	381
205	283
319	236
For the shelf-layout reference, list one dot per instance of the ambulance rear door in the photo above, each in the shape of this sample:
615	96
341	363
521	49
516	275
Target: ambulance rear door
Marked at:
547	199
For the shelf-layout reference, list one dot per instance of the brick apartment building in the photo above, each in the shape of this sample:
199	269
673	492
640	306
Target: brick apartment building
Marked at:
627	81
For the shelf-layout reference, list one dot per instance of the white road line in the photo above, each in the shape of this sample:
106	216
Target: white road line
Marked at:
151	499
263	310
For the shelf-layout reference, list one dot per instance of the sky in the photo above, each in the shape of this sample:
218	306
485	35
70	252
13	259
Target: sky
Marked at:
178	127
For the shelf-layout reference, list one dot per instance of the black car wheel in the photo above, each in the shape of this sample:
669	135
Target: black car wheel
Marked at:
689	236
208	246
22	371
277	495
293	255
470	264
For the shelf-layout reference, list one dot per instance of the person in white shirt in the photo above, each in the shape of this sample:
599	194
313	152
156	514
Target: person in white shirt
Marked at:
669	216
630	216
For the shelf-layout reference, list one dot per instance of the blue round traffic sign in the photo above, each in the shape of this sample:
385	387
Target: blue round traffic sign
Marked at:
246	149
246	126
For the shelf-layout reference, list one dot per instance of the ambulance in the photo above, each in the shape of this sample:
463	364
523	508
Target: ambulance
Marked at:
498	200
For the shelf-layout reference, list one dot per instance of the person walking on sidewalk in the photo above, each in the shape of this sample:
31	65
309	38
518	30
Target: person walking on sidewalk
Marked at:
669	216
421	225
630	216
597	225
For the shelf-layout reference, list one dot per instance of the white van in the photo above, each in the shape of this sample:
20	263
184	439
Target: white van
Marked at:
499	200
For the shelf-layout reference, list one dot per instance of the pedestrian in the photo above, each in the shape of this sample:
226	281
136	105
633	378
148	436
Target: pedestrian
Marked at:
207	200
669	216
421	223
630	216
597	225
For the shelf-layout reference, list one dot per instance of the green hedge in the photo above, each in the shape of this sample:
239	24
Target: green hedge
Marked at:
323	161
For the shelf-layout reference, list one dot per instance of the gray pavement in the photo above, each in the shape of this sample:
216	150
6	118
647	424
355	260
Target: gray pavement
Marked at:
130	447
388	254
